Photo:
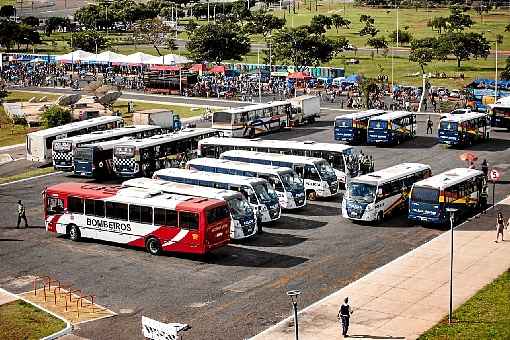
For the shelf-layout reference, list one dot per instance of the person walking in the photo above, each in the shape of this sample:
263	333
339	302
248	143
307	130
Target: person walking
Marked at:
344	314
429	125
485	168
500	224
21	214
484	197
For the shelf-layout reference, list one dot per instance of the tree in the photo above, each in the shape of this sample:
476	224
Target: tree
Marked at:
90	41
505	74
7	11
404	37
320	24
151	31
88	16
55	116
457	21
377	43
240	11
438	23
26	35
339	45
365	18
507	28
465	45
8	32
368	87
56	23
339	21
422	56
369	29
218	42
296	46
264	23
30	21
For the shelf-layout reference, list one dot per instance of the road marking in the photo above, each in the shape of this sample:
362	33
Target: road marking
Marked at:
30	178
9	147
446	233
354	110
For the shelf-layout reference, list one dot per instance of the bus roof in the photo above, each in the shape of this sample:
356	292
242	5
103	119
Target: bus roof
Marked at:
393	115
169	137
94	191
279	144
117	132
271	156
448	178
181	188
108	144
503	102
361	114
256	107
225	163
208	176
57	130
459	118
391	173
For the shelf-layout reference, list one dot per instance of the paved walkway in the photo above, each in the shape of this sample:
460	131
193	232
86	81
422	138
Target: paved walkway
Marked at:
411	294
6	298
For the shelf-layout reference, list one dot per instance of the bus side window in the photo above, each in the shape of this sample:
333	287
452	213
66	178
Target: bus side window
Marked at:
117	211
134	213
89	207
75	205
311	173
55	206
188	220
299	169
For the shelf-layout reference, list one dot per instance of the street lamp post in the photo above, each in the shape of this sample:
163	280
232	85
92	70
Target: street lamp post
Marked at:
293	295
451	212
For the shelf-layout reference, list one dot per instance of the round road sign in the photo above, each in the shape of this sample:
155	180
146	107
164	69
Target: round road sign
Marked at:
494	175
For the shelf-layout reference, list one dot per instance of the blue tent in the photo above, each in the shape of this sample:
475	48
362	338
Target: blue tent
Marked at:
353	78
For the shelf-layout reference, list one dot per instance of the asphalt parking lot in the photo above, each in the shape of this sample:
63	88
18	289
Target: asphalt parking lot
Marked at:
239	290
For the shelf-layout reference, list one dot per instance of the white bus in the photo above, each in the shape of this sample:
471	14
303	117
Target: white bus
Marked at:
343	158
287	184
141	157
63	149
319	177
252	120
243	223
374	196
39	143
258	192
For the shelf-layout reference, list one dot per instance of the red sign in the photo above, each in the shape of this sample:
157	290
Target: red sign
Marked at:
494	175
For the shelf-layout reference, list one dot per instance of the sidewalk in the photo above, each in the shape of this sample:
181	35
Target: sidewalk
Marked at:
406	297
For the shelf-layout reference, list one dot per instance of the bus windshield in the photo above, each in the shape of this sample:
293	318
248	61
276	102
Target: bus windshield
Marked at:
83	154
448	126
239	208
62	146
325	170
264	192
343	123
222	117
425	195
124	151
362	192
292	182
378	124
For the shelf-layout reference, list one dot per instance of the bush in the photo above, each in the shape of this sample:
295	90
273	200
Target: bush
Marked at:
55	116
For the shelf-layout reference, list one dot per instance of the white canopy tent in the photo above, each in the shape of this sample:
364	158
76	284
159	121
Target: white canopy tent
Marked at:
171	59
75	56
139	58
106	57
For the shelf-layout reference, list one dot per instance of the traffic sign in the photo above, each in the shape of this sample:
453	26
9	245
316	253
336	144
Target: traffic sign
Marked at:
494	175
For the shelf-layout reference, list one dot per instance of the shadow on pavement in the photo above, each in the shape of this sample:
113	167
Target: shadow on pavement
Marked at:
292	223
363	336
10	240
420	142
253	258
312	209
267	239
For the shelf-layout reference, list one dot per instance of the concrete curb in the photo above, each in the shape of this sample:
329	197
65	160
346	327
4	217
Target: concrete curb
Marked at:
8	147
30	178
56	335
444	234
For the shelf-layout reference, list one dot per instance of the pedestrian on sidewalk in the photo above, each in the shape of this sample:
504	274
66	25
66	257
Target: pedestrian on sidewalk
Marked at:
21	214
485	168
429	125
500	224
344	314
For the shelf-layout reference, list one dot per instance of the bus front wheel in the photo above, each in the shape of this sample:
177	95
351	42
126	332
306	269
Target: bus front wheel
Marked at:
74	233
153	246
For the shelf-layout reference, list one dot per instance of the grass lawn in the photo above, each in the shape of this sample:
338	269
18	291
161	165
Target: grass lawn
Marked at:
11	134
21	320
485	316
26	174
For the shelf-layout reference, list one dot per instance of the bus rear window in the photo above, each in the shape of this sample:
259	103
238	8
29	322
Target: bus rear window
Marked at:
425	195
83	154
188	220
448	126
378	124
343	123
217	214
222	117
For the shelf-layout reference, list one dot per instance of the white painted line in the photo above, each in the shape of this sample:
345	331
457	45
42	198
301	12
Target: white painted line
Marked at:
56	335
446	233
9	147
30	178
351	110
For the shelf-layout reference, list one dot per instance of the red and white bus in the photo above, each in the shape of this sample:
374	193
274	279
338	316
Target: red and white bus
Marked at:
137	217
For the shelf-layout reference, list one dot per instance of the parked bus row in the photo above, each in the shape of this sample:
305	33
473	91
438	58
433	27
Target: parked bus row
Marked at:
410	187
378	127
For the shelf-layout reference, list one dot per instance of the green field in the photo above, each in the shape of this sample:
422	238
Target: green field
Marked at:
485	316
21	320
